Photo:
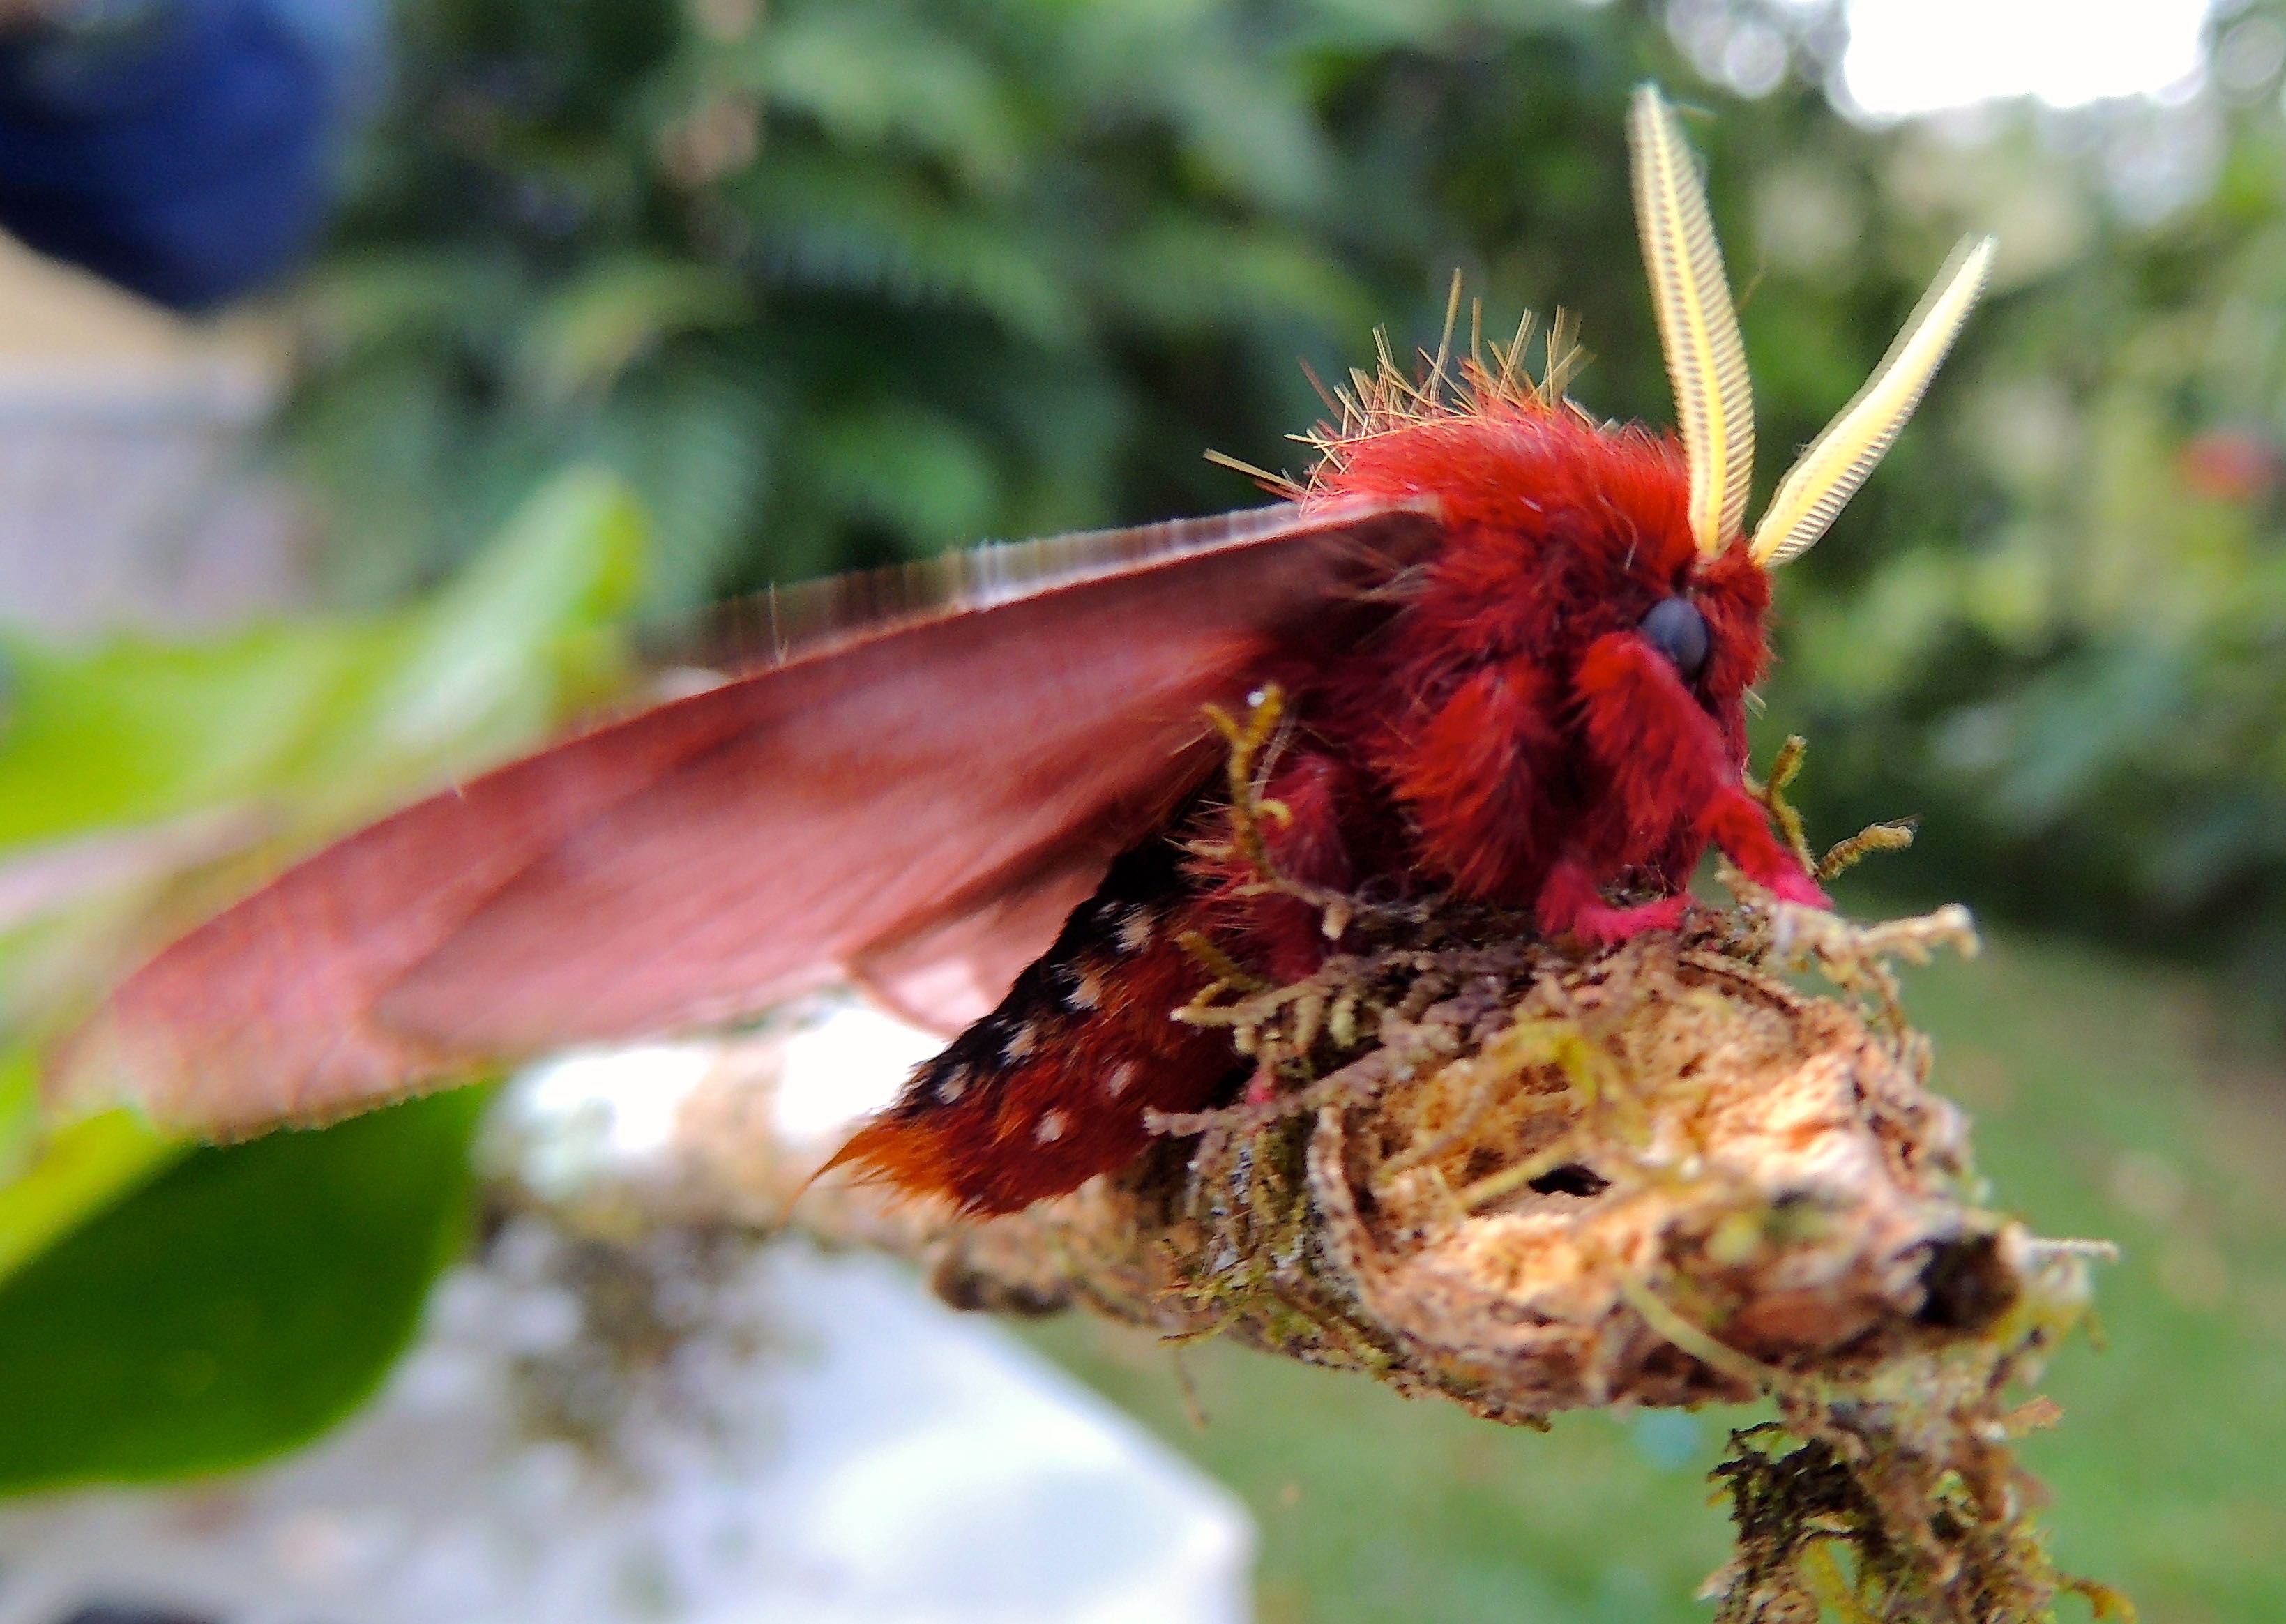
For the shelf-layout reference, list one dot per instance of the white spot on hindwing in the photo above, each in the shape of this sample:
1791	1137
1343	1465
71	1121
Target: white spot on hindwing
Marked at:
1086	989
1022	1042
1115	1080
951	1084
1051	1127
1134	930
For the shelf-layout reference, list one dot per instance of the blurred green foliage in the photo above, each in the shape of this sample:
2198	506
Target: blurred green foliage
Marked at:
176	1309
833	281
837	282
329	718
2062	635
237	1304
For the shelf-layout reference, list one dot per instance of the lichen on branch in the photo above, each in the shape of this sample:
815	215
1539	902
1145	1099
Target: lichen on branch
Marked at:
1658	1175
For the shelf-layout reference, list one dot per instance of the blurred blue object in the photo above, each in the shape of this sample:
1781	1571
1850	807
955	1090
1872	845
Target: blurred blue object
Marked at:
182	148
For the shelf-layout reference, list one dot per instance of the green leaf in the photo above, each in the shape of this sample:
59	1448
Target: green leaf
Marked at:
1179	273
235	1305
938	486
825	221
20	1116
78	1169
319	722
139	730
696	444
344	715
456	683
867	76
586	334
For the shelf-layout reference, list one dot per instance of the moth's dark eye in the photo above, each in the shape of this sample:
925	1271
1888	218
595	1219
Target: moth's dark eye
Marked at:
1676	629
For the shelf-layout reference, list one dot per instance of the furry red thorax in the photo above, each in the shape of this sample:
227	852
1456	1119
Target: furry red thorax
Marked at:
1509	734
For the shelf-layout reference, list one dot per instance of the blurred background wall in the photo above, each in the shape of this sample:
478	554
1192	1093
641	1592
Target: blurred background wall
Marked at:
129	458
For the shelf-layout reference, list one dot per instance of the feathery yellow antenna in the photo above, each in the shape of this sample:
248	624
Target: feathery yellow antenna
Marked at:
1697	325
1828	473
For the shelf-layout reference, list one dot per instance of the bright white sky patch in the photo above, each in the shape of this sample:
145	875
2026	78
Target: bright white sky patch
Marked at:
632	1094
1918	56
849	1064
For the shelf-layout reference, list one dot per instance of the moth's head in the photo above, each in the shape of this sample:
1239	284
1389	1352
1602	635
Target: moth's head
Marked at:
1565	526
1625	530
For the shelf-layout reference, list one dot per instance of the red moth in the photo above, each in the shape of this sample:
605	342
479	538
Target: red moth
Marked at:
1515	644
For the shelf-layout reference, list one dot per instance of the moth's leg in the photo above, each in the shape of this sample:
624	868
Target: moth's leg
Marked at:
1661	754
1572	904
1669	767
1740	825
1310	798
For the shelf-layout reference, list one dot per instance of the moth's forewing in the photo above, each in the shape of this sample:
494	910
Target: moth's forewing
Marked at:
952	780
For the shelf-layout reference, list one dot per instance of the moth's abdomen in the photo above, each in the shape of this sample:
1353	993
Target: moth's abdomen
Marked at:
1051	1088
